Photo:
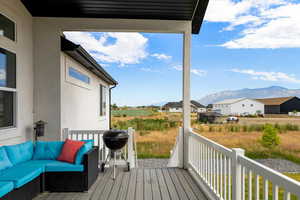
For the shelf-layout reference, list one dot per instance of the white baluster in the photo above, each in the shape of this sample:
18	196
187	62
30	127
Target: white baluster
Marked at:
250	185
287	195
257	187
266	189
275	192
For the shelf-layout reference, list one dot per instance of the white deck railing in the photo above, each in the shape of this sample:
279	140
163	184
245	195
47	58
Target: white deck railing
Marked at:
227	174
97	137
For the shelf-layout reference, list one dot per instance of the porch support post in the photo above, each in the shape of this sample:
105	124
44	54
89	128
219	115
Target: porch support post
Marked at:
186	93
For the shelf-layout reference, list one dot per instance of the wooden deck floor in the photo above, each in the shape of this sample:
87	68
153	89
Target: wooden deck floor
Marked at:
138	184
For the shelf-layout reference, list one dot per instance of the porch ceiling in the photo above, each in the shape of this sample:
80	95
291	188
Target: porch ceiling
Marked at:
193	10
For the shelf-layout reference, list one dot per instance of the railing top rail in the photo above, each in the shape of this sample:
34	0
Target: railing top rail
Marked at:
86	131
224	150
275	177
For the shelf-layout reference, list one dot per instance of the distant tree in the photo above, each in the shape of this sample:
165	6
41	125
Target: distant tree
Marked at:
210	105
114	107
258	112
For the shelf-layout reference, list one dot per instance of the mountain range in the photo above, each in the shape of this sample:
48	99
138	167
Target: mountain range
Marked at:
268	92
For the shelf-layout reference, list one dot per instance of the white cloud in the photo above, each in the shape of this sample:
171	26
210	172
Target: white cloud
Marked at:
194	71
281	31
198	72
264	23
125	48
147	69
177	67
161	56
231	11
268	76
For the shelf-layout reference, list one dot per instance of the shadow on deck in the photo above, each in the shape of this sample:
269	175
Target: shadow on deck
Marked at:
138	184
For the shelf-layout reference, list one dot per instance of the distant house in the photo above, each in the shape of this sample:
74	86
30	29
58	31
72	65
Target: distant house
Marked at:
282	105
239	106
177	107
197	107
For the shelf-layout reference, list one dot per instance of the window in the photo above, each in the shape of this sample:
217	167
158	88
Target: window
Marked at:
102	100
251	105
7	69
78	75
6	109
243	105
7	88
7	28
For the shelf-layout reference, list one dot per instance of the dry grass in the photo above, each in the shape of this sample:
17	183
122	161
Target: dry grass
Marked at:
289	140
161	136
157	144
273	120
289	147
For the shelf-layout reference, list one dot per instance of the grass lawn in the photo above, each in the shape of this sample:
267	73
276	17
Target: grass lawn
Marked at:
131	113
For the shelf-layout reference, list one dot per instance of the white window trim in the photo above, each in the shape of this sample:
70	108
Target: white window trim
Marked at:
15	98
15	24
71	64
103	117
10	45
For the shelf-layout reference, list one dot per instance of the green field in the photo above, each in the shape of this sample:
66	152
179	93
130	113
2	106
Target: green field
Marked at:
131	113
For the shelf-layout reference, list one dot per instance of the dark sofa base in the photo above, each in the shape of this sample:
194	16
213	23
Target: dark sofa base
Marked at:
75	181
27	191
65	182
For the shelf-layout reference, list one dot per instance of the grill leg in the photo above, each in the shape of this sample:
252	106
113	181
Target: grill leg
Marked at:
114	166
107	159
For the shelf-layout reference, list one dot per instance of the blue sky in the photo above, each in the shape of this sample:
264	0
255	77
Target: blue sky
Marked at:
242	44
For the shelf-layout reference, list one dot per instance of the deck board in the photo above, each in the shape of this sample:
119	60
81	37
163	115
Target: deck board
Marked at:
155	185
139	184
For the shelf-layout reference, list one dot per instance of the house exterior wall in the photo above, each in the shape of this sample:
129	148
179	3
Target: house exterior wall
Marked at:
272	109
23	48
80	105
47	79
248	106
175	109
223	109
290	106
201	110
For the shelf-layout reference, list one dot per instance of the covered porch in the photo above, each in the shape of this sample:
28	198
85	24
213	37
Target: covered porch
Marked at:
198	168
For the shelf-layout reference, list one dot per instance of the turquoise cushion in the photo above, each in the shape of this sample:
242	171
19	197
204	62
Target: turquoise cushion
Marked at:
4	160
47	150
51	165
37	163
5	187
83	150
20	152
20	175
59	166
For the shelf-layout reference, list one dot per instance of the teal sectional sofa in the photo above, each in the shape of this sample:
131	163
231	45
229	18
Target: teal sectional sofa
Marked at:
29	168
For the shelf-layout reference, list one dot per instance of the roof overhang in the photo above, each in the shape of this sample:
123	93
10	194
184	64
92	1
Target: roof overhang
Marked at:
185	10
83	57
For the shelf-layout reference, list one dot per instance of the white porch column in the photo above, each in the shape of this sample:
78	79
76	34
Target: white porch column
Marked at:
186	92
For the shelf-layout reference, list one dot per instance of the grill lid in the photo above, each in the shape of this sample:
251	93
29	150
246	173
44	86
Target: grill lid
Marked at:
115	134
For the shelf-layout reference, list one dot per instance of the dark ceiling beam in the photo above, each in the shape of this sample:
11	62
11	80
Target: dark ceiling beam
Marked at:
193	10
199	16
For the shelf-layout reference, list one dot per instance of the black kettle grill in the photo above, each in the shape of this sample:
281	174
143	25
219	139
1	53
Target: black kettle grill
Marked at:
115	140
